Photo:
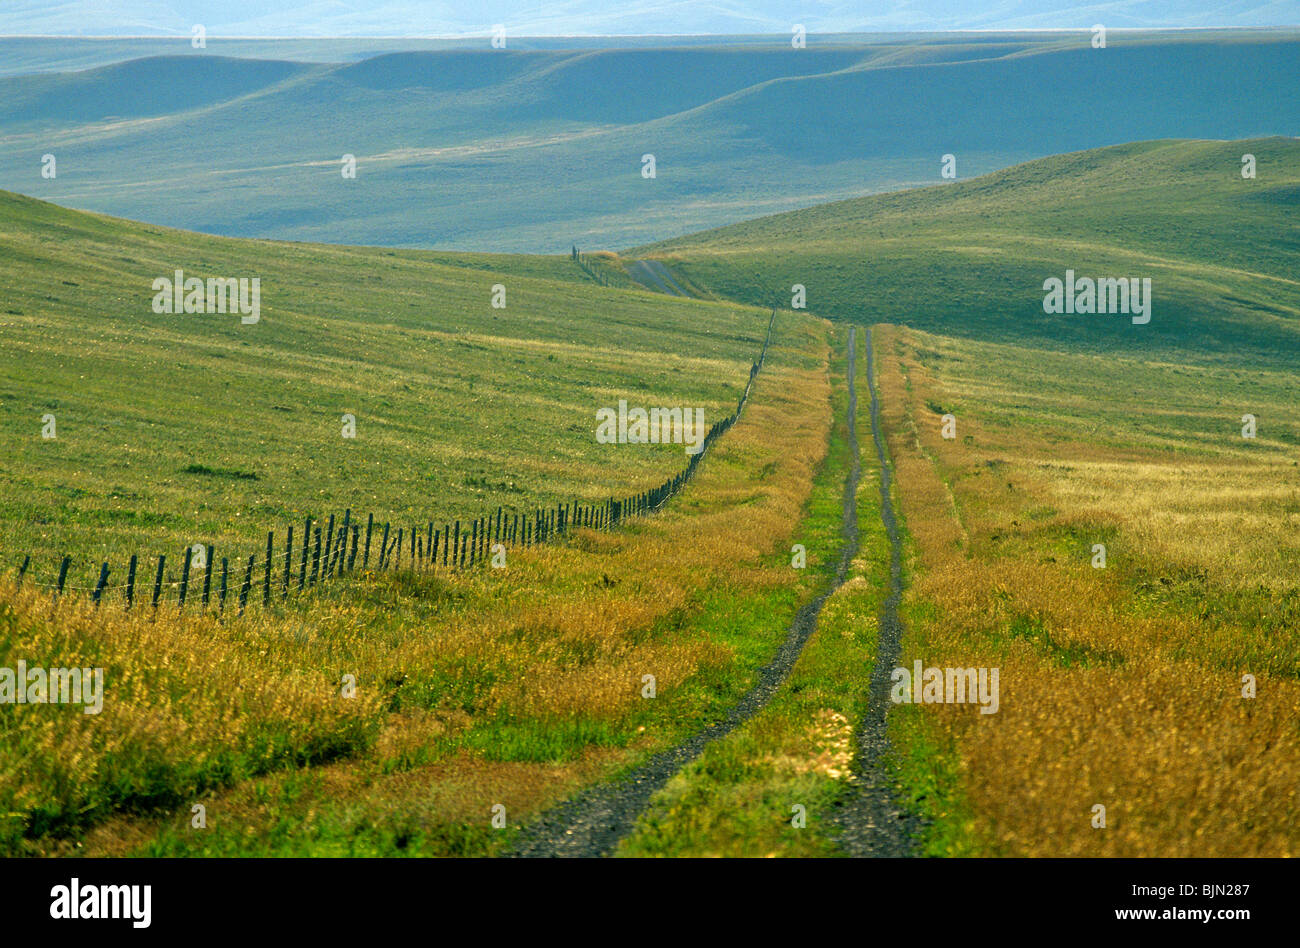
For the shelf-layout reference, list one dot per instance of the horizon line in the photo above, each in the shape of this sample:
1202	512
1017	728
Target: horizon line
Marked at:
521	36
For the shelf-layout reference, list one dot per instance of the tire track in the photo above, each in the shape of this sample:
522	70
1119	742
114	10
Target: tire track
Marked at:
872	823
594	821
654	275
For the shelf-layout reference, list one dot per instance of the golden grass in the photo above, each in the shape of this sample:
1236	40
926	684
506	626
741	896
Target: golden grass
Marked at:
561	637
1107	697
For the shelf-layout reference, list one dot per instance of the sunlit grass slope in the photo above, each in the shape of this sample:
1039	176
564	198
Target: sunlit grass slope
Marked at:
969	258
174	428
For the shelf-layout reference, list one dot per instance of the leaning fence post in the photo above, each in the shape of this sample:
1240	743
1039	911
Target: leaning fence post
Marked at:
225	569
185	575
383	545
22	570
157	582
99	586
63	574
370	525
352	557
329	539
130	582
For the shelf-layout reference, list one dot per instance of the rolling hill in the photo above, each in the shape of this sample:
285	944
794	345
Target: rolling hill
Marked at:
170	426
533	150
969	259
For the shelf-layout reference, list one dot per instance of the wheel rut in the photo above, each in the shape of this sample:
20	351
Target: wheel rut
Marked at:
872	823
593	822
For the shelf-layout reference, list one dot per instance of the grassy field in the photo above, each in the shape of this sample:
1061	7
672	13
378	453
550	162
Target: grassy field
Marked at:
511	686
969	258
738	798
481	688
1122	686
1162	685
177	429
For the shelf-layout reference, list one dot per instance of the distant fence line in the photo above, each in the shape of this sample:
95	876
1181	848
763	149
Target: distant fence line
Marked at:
599	271
332	550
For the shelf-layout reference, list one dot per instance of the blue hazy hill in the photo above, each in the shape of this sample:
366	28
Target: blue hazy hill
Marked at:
533	150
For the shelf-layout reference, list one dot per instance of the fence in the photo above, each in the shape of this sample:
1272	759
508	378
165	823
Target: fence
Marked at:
601	272
331	551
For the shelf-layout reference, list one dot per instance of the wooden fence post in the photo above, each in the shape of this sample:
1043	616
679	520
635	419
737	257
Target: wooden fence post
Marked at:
207	577
185	576
157	582
370	525
248	582
130	582
225	569
22	570
306	546
315	558
347	523
63	575
329	539
288	562
99	586
270	558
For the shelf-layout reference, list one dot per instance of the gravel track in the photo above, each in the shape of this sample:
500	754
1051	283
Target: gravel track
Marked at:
594	821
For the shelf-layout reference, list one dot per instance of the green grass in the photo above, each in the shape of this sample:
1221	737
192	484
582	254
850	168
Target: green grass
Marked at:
175	429
969	259
737	798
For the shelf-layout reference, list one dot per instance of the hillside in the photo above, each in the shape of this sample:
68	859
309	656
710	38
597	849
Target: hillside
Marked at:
174	426
969	259
520	683
533	150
